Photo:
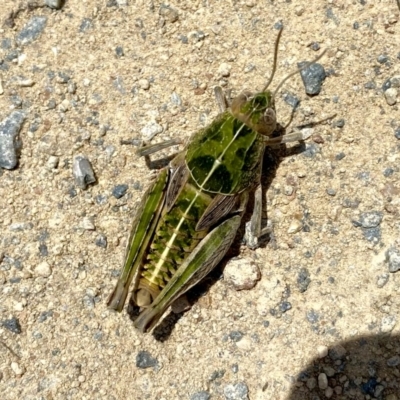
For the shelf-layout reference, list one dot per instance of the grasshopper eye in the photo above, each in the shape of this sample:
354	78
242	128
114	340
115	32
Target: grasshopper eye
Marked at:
268	123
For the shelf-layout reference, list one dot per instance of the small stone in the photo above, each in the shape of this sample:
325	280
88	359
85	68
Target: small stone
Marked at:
56	4
180	305
119	191
12	325
25	82
236	336
224	70
328	392
388	323
52	162
292	100
31	31
241	274
303	280
391	96
43	269
168	13
83	172
87	224
202	395
382	280
311	383
144	84
299	10
145	360
17	369
393	259
322	381
238	391
370	219
9	145
64	106
295	226
312	77
393	361
119	51
101	241
322	351
150	130
337	352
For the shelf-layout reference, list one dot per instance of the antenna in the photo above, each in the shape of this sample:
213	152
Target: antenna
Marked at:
278	38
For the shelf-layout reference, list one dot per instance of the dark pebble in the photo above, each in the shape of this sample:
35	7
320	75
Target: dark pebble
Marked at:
369	386
235	336
285	306
145	360
372	234
168	13
382	59
85	25
217	375
311	150
356	25
101	241
303	280
9	144
370	219
292	100
278	25
393	259
312	316
119	191
312	77
83	172
370	85
265	324
43	251
331	192
45	315
340	156
101	199
393	361
56	4
202	395
397	133
235	368
386	85
184	39
388	172
119	51
315	46
339	123
12	325
32	30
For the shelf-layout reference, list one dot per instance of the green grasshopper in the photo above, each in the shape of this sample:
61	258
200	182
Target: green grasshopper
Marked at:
190	215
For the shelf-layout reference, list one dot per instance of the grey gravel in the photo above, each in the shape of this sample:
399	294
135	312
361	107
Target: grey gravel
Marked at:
32	30
238	391
83	172
303	280
12	325
119	191
9	145
145	360
312	76
202	395
56	4
382	280
101	241
393	259
169	13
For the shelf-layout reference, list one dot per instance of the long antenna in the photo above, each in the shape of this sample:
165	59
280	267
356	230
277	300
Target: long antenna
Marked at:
297	71
278	38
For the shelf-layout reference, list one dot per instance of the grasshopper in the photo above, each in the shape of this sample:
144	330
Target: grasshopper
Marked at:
190	214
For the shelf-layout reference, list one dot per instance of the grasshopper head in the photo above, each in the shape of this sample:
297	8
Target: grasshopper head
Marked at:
257	111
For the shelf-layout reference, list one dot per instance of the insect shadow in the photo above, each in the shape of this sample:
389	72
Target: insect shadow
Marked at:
352	369
271	161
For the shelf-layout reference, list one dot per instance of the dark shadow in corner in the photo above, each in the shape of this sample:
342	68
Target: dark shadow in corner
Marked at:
366	365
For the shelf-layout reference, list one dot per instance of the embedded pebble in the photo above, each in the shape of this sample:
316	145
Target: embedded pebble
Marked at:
303	280
337	352
83	172
12	325
202	395
87	224
17	369
295	226
119	191
238	391
144	84
43	269
52	162
170	14
322	381
322	351
388	323
393	361
32	30
145	360
150	130
241	274
101	241
9	129
382	280
393	259
25	82
391	96
56	4
312	77
224	70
